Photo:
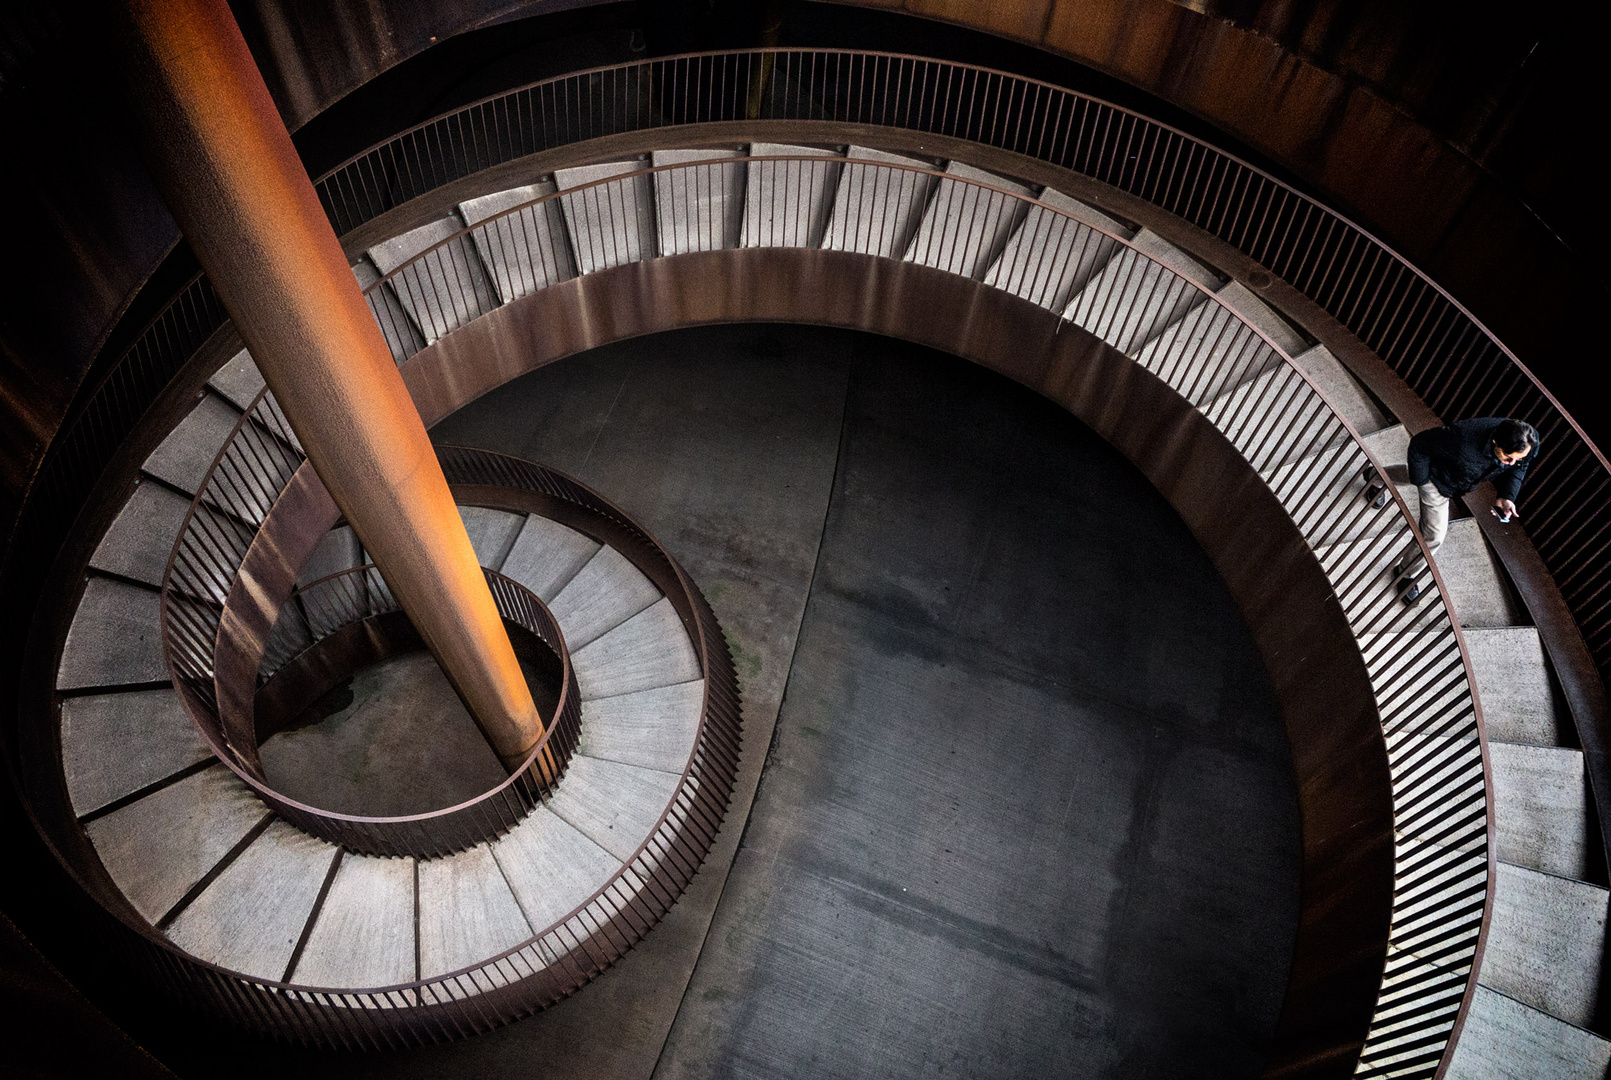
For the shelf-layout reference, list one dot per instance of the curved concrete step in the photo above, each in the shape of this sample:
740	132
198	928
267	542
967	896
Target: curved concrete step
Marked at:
1519	704
363	934
699	208
613	223
876	211
1541	817
492	533
1546	937
115	638
114	745
250	918
1503	1039
159	847
444	290
183	458
547	555
1132	300
1049	257
964	228
141	536
787	203
647	651
523	251
605	593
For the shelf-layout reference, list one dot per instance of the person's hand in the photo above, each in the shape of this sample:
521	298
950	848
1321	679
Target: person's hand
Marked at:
1504	509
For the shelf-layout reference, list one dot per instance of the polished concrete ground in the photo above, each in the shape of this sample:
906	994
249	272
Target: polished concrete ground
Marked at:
1026	807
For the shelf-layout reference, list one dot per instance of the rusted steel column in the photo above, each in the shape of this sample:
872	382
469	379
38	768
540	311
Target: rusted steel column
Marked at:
226	166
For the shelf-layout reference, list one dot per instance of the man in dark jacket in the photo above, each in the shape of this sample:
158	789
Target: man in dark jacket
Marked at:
1447	462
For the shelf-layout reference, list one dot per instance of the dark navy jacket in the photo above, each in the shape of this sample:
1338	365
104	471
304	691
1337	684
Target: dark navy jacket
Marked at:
1457	458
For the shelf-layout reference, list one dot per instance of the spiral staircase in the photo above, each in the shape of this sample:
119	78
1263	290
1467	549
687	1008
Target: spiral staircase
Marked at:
1498	930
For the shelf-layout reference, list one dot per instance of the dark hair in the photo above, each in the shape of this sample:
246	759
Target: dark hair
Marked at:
1513	435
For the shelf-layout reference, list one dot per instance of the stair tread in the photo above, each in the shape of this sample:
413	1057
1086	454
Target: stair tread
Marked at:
115	744
547	555
965	226
552	866
613	223
364	935
775	191
1540	807
1518	702
443	290
614	805
1341	390
1136	297
1545	939
183	458
1049	257
875	211
141	537
1504	1039
523	251
650	649
653	729
115	638
251	917
467	912
492	533
1476	584
605	593
161	845
239	380
700	207
337	550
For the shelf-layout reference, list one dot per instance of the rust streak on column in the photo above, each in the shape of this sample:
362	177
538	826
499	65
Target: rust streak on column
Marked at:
229	172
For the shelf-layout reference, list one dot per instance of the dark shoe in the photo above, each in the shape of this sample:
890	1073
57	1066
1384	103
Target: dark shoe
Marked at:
1411	595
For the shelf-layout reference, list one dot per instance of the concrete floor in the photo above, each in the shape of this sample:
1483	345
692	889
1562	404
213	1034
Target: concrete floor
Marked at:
1026	807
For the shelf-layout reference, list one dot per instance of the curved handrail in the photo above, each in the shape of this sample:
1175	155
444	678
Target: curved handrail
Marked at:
1307	430
434	280
1425	334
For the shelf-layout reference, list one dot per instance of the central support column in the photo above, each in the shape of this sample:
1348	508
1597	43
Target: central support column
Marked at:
231	176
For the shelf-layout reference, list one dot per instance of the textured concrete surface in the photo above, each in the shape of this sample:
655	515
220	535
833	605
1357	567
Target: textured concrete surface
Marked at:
965	227
605	593
157	848
1518	703
492	533
116	637
552	867
648	650
1013	651
1134	297
1505	1040
396	739
364	936
142	536
654	728
525	250
250	917
1540	807
1477	585
467	912
546	555
876	210
1339	387
699	207
614	805
612	222
1049	257
777	191
239	380
445	288
183	458
1545	941
116	744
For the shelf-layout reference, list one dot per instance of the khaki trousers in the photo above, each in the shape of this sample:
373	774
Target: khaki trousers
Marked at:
1434	526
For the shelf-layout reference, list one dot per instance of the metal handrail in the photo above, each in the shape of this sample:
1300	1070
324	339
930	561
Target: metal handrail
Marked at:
568	953
1425	335
1308	453
1416	657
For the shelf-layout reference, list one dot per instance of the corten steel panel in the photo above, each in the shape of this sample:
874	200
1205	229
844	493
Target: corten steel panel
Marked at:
1339	757
227	168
